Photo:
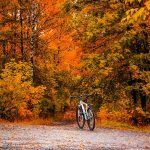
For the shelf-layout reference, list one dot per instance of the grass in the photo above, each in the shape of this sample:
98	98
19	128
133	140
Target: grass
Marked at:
122	126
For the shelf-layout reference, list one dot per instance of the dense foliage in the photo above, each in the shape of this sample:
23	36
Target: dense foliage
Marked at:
72	47
19	98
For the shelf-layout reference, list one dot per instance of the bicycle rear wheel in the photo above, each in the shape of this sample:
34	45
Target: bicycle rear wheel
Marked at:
80	117
91	119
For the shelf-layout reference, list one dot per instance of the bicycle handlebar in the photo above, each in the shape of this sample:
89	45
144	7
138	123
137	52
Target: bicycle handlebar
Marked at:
87	95
75	96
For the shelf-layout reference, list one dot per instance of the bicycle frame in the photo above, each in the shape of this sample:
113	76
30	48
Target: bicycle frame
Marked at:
84	107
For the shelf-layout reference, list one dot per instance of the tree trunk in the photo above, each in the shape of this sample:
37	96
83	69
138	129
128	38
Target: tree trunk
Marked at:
143	101
33	22
21	34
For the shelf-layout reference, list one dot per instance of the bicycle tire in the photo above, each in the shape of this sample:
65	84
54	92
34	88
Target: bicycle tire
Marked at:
80	115
91	120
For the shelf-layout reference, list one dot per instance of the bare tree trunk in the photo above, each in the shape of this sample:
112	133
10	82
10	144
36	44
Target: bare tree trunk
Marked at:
33	17
14	39
21	33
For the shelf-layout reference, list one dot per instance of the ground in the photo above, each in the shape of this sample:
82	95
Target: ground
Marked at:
70	137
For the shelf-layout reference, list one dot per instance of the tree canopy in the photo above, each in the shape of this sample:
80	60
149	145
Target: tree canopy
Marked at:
50	50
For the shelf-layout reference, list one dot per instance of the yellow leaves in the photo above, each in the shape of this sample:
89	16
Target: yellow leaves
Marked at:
114	111
131	11
102	63
35	101
96	82
17	71
110	16
146	88
88	9
135	71
19	93
147	4
138	14
133	67
107	71
148	85
18	78
131	1
101	21
107	17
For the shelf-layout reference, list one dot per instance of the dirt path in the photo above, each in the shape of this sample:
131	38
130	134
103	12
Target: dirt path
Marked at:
69	137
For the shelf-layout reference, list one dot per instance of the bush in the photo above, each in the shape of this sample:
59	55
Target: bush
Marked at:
121	116
69	116
135	116
116	111
18	98
138	116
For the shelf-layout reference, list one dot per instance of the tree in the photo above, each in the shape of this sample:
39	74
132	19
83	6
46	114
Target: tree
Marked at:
19	99
109	50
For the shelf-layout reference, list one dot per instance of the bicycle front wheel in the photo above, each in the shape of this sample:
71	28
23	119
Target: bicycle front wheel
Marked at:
80	117
91	119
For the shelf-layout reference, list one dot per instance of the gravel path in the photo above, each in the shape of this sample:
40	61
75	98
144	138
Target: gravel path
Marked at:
70	137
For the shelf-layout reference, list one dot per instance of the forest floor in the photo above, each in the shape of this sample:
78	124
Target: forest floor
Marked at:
70	137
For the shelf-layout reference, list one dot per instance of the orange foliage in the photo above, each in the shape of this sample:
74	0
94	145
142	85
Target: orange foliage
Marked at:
69	116
60	41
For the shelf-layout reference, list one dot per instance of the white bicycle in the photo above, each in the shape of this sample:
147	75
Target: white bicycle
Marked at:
84	113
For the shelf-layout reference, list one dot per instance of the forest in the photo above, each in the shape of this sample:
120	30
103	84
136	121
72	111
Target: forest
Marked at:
52	49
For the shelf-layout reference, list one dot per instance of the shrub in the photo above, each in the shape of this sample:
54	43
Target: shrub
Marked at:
116	111
19	99
69	116
121	116
138	116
